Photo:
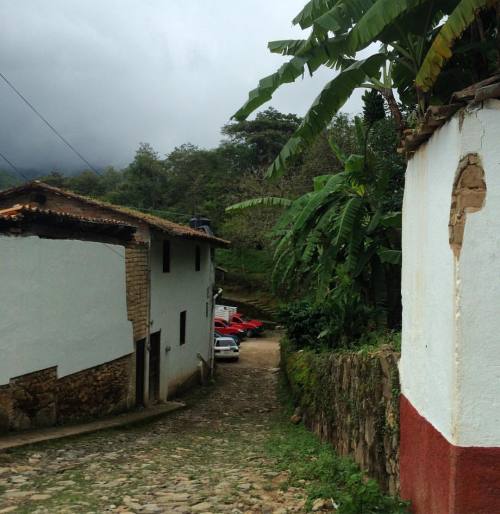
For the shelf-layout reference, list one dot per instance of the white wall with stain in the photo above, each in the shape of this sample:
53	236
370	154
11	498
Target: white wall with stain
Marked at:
450	365
63	304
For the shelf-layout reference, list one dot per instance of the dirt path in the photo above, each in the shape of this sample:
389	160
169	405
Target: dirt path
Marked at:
208	458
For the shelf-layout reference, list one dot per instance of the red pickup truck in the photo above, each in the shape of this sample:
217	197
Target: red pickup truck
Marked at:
223	327
253	327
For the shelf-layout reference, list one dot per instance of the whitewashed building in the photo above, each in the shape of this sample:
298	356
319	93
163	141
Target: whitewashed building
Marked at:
103	308
450	364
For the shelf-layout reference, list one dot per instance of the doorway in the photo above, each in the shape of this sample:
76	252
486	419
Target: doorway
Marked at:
140	361
154	366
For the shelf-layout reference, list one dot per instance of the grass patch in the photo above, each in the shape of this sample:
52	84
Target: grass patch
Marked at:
326	475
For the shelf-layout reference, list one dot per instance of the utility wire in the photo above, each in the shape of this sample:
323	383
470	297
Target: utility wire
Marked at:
18	171
51	127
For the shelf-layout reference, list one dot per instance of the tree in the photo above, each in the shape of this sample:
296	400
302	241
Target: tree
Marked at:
56	179
265	136
144	181
86	183
7	179
417	37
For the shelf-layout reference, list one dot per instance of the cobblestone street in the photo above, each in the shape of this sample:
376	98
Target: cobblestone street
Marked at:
207	458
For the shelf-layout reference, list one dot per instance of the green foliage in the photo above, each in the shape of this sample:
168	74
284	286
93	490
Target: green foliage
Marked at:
326	105
326	475
441	49
266	201
373	107
342	240
264	136
8	179
435	43
246	261
338	245
336	323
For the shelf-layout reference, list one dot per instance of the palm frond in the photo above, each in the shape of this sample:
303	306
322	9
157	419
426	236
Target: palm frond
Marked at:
347	219
440	50
381	15
311	11
389	256
343	15
266	201
326	105
287	73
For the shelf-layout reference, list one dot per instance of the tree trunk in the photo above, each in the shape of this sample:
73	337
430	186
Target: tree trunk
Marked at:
395	111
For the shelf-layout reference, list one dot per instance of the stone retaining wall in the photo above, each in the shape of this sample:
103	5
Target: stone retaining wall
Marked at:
40	399
352	401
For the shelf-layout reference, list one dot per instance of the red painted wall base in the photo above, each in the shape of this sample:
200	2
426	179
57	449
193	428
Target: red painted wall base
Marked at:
439	478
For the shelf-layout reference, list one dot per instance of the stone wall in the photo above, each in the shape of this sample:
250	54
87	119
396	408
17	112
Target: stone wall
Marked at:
95	392
40	399
352	401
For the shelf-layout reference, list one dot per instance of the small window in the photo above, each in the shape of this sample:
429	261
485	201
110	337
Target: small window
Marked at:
206	309
182	338
197	263
166	256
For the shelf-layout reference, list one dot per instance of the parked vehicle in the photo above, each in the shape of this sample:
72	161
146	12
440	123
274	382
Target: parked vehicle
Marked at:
225	348
228	330
253	327
236	339
225	311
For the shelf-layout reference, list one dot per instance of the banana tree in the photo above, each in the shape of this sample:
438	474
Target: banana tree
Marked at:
418	38
342	228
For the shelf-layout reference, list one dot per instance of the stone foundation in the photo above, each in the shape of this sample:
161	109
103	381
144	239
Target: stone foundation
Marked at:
95	392
33	399
40	399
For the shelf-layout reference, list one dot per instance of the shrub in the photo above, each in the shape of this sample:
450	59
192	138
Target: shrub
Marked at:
332	324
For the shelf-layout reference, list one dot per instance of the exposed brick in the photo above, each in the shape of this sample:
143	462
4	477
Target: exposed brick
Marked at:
469	193
137	266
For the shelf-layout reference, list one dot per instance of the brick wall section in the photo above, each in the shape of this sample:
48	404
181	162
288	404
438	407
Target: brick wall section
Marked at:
137	271
94	392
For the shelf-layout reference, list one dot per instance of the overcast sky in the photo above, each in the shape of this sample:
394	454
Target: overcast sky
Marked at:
110	74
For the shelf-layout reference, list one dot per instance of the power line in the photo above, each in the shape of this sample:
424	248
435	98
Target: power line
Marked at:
19	172
51	127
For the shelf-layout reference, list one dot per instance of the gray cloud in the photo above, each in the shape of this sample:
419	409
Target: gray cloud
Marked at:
110	74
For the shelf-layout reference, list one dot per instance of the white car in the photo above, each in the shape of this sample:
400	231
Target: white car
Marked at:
226	348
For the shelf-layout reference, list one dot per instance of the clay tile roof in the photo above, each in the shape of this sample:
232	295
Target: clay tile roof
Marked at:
437	115
18	211
161	224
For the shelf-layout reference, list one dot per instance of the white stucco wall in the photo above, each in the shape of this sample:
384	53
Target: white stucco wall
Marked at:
450	365
63	304
181	289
